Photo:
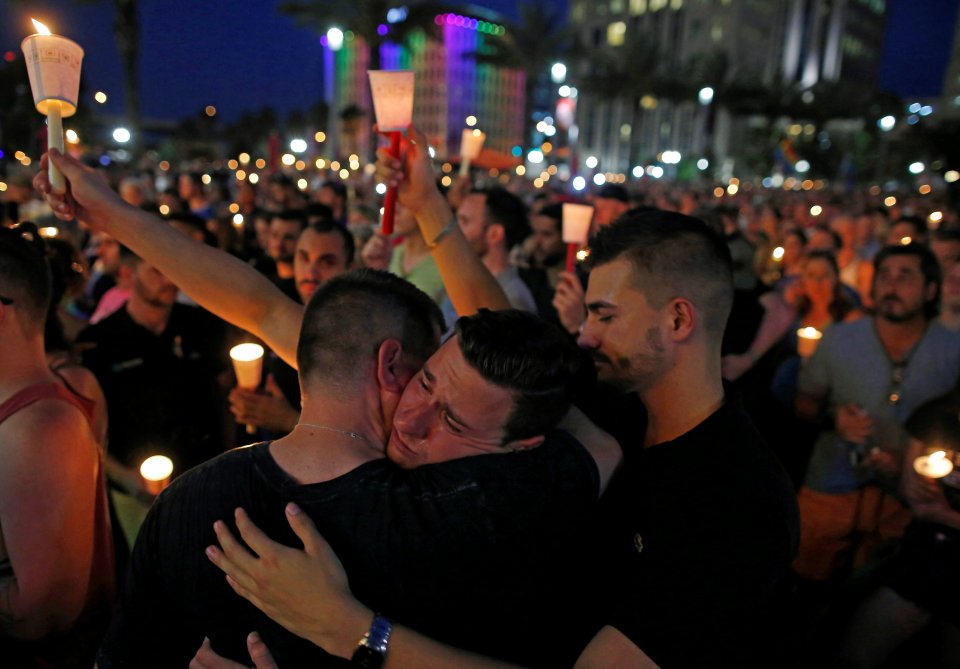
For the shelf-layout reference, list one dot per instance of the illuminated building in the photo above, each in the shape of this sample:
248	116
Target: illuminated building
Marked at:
450	85
774	43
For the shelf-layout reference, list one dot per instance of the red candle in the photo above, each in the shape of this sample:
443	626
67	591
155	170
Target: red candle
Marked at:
571	256
390	200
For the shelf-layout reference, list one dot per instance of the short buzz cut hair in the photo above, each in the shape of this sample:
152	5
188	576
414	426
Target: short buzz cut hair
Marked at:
349	316
535	360
672	255
25	274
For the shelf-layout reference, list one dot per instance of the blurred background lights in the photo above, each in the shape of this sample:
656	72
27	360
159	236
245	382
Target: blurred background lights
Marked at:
335	39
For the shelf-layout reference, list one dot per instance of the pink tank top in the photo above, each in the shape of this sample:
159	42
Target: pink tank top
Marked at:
82	640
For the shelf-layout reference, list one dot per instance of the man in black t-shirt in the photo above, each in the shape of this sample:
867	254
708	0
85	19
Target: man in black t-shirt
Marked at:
470	550
158	363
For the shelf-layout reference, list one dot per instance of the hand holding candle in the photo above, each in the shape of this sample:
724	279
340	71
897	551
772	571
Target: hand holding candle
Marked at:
248	366
576	228
934	466
392	93
53	65
471	143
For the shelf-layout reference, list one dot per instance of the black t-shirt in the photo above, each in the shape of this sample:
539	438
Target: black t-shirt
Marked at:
162	391
701	532
471	552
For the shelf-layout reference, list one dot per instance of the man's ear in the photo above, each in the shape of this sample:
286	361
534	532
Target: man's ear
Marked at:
524	444
494	233
683	318
392	372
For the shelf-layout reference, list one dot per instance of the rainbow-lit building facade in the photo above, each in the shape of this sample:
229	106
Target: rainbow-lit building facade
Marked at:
450	85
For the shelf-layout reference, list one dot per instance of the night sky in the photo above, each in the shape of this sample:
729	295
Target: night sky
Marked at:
242	55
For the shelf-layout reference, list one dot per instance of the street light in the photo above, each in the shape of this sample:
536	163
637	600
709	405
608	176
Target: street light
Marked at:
887	123
121	135
705	96
335	39
558	73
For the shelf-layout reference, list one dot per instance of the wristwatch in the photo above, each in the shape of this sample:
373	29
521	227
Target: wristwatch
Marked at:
372	648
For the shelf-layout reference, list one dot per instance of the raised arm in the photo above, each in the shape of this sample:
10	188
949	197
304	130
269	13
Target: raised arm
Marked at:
469	283
224	285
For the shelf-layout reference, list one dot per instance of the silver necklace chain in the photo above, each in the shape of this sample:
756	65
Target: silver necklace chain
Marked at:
348	433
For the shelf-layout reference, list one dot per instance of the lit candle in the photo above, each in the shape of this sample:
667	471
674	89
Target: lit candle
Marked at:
156	471
392	93
471	143
53	65
576	228
807	340
248	366
934	466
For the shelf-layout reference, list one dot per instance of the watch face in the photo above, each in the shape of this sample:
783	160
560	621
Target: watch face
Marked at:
367	658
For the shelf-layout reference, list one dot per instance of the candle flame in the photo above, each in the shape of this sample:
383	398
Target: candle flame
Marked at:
41	29
246	352
156	468
938	456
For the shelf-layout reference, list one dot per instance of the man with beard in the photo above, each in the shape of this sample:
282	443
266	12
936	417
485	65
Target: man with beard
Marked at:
285	229
864	380
157	362
324	250
494	221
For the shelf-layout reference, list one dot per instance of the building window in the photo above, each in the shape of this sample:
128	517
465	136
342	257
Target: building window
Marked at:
616	33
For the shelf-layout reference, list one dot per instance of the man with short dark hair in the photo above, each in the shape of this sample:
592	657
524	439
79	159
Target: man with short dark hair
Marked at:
157	362
333	194
324	250
56	551
285	229
610	203
494	221
862	383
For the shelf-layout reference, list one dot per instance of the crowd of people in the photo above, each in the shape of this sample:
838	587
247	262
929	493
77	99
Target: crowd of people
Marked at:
696	449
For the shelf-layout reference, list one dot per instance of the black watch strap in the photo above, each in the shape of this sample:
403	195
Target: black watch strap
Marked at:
372	649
